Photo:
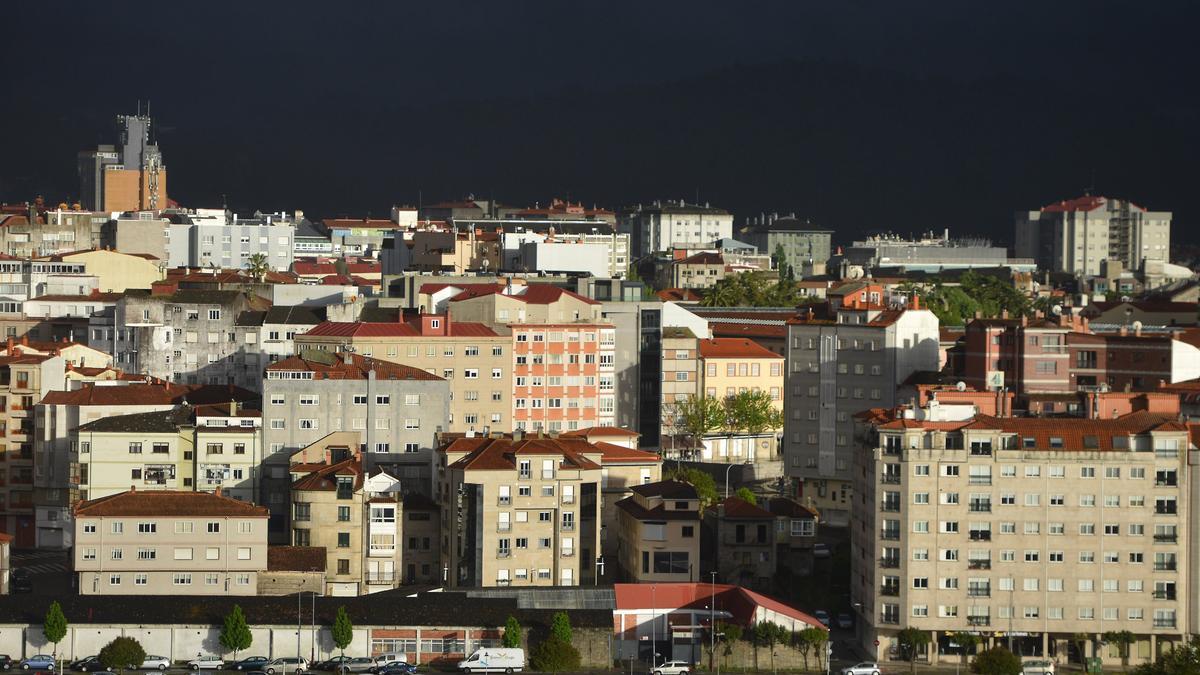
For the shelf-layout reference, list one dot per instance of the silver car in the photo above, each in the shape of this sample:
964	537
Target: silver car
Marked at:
286	665
159	663
358	664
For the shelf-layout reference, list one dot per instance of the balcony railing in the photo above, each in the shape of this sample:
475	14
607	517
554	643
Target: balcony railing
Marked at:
1164	566
889	590
1166	482
979	592
890	507
979	564
504	501
981	535
1166	538
1164	623
568	526
568	552
890	535
381	577
889	563
980	507
504	527
568	499
892	619
503	553
890	479
979	620
1166	509
1164	595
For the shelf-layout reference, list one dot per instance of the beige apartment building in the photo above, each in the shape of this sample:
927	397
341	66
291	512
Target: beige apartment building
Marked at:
475	359
728	367
516	302
520	510
680	374
1025	531
169	543
659	533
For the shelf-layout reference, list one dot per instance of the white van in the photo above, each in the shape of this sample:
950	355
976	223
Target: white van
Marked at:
494	660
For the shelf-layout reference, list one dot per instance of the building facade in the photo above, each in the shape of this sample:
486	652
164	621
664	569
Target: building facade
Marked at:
658	531
661	226
1076	236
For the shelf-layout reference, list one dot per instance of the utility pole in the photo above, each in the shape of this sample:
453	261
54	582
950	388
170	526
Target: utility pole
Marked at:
312	654
712	624
299	597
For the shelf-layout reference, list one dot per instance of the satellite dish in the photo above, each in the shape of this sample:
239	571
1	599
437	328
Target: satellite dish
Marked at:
1056	310
1137	325
960	385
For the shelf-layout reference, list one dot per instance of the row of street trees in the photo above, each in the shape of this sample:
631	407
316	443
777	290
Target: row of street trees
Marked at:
748	412
235	636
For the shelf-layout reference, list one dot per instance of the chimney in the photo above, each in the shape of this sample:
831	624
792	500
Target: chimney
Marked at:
1004	314
218	492
11	342
25	340
518	434
1137	330
233	407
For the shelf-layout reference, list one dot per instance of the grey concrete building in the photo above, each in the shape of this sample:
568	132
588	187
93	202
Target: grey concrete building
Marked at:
397	409
933	253
1077	235
219	238
188	336
661	226
637	365
804	245
842	361
42	232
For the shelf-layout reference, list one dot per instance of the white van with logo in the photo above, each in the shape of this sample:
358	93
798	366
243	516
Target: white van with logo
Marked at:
494	660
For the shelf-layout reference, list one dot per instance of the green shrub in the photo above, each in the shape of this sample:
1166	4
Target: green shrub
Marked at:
554	655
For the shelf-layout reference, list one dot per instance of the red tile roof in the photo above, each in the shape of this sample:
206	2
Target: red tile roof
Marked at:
702	258
1073	432
1085	203
169	503
367	329
296	559
534	294
375	223
94	297
137	393
499	454
734	348
325	477
619	454
740	602
348	366
736	507
600	432
678	295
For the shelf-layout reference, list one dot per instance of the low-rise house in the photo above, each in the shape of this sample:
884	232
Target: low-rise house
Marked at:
169	543
293	569
743	537
659	533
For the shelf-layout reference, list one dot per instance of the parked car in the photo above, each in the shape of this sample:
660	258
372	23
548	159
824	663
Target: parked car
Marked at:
86	664
151	662
864	668
38	662
400	668
250	663
822	616
357	664
671	668
391	657
333	663
20	581
494	660
844	620
1037	667
6	662
206	663
289	664
381	666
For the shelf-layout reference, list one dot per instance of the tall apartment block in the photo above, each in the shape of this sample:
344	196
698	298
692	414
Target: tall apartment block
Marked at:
661	226
843	359
1075	236
125	177
1026	531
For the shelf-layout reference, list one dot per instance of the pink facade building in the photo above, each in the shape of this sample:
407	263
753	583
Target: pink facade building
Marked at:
563	376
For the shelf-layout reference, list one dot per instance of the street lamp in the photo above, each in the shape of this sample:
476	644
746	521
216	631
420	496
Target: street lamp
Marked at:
730	468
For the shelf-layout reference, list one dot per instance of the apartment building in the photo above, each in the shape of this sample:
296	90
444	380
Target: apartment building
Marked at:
41	231
578	246
203	448
127	176
520	511
513	302
731	366
844	358
1027	531
268	336
661	226
219	238
680	375
739	543
397	409
1018	354
186	336
804	246
658	533
702	269
59	413
474	359
115	271
1077	236
563	376
450	251
24	380
169	543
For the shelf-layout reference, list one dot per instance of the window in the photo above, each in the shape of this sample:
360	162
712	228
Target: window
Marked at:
243	553
135	448
214	527
182	579
147	528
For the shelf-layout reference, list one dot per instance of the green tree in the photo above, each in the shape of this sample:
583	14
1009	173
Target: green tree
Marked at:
342	631
553	655
1183	659
54	627
752	412
235	634
744	494
766	634
122	653
696	416
560	627
258	266
968	642
754	289
996	661
913	643
811	640
1122	639
706	487
512	633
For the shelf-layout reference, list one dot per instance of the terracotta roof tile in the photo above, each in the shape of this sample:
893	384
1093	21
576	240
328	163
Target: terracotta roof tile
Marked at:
348	366
500	454
734	348
394	329
169	503
296	559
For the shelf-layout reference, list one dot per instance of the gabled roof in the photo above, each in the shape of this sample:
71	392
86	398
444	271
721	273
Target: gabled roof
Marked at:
501	454
790	508
738	508
169	503
534	294
666	489
1078	434
678	295
157	422
348	366
326	477
735	348
741	603
395	329
137	393
702	258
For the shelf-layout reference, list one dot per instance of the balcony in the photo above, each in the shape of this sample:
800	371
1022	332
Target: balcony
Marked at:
890	479
890	535
568	499
1164	595
504	553
889	590
1166	482
979	480
981	535
568	552
980	592
1166	538
894	618
980	507
979	620
889	563
890	507
1165	566
1164	623
381	577
979	564
504	501
504	527
568	526
1165	509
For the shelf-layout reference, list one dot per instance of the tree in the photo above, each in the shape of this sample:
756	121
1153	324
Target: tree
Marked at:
512	633
767	634
342	631
744	494
235	634
810	640
752	412
706	487
696	416
554	655
913	643
1181	660
996	661
55	626
560	627
122	653
258	266
1080	641
967	641
1122	639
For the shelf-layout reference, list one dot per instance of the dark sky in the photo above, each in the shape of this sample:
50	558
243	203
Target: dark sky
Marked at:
860	114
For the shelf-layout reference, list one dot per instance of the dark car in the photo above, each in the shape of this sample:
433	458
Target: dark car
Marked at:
20	581
399	669
6	662
331	664
250	663
87	664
